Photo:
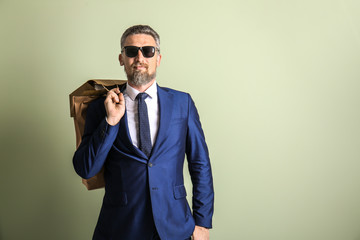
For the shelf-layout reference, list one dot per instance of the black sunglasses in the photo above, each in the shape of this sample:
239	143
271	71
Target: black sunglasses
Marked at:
147	51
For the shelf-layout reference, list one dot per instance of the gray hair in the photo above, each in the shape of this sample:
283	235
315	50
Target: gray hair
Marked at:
141	29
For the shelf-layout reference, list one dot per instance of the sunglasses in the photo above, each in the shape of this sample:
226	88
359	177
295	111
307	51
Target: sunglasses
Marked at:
147	51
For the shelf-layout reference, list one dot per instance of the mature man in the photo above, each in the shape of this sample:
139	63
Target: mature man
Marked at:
140	134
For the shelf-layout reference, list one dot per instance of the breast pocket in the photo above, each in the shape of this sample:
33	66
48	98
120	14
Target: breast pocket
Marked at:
178	121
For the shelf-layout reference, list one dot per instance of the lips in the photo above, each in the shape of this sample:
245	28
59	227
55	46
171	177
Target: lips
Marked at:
139	66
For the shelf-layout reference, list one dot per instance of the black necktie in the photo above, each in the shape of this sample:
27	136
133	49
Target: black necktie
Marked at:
144	129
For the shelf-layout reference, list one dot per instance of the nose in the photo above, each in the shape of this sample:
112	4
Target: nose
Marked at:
139	56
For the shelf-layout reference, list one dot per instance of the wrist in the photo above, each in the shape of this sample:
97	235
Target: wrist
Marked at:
112	121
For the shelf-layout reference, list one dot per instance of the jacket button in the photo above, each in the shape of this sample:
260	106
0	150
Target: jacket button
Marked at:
150	164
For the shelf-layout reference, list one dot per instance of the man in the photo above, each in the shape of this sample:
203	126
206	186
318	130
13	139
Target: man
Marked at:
140	134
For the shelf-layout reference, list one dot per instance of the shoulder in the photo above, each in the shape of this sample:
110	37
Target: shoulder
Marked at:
97	105
175	93
180	100
97	102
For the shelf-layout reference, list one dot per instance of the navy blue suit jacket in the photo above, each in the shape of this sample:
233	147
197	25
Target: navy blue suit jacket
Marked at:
143	193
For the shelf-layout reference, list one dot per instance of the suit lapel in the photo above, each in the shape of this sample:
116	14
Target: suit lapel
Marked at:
124	134
165	110
165	101
125	139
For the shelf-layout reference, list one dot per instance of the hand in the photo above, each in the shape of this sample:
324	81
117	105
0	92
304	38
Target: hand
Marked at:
115	106
200	233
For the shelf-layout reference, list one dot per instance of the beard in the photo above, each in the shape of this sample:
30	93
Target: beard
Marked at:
138	77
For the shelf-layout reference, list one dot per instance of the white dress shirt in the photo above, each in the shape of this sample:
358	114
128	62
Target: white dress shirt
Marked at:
131	104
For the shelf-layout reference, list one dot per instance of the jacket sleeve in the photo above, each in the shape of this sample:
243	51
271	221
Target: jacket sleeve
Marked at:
96	142
200	170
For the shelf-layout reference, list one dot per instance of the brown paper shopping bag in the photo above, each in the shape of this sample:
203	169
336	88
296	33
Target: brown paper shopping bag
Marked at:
79	102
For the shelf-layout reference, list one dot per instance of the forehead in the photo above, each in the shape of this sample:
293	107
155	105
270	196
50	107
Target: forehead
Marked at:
140	40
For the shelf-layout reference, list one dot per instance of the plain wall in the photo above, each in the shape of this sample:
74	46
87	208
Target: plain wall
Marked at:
276	84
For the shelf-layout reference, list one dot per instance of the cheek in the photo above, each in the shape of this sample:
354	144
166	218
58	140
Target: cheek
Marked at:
153	65
128	64
128	68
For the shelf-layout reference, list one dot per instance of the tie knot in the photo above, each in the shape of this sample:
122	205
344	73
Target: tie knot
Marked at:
142	96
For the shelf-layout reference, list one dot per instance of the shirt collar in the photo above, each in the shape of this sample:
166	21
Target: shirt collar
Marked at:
132	92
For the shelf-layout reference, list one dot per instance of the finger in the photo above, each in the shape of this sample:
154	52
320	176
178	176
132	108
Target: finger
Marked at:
111	95
116	90
121	97
116	96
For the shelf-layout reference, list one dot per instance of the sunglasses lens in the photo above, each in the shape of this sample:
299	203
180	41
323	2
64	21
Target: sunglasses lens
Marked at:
148	51
131	51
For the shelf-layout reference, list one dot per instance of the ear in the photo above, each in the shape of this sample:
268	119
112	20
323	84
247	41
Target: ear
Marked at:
158	60
121	60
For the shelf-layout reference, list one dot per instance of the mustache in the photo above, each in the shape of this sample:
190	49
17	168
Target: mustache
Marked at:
139	65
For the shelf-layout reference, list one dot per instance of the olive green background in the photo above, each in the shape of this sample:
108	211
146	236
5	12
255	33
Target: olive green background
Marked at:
276	84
